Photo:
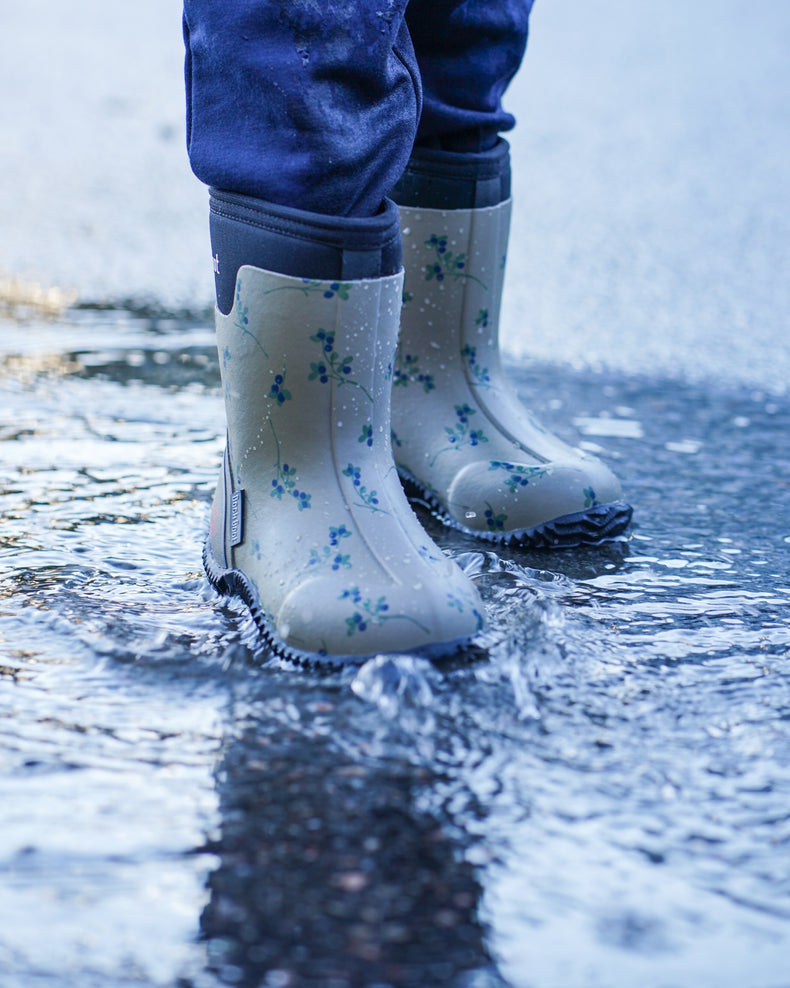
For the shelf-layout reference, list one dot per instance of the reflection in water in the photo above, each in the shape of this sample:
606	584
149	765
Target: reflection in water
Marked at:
330	874
607	769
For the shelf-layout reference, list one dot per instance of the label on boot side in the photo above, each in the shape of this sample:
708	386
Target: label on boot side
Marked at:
236	518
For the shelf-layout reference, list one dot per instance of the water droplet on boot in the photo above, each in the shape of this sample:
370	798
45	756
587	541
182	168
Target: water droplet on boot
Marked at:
470	514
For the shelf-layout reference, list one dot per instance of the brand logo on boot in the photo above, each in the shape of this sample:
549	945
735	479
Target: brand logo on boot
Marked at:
216	263
236	518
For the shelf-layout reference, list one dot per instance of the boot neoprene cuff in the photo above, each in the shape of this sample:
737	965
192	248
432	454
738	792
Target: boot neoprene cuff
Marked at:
436	179
246	230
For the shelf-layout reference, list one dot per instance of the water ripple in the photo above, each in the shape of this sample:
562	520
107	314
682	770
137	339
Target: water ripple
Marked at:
608	767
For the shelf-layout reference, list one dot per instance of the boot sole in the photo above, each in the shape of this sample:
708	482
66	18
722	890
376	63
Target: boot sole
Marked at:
602	523
233	583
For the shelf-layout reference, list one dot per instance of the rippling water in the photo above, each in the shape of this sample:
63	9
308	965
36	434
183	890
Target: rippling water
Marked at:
598	795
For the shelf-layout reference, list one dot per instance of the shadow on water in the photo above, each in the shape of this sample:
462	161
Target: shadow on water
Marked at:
608	769
331	873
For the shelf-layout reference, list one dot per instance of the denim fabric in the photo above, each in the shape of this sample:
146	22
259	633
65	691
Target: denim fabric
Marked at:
467	54
316	104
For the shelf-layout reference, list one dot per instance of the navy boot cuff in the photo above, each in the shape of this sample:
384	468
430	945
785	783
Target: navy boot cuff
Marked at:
436	179
247	230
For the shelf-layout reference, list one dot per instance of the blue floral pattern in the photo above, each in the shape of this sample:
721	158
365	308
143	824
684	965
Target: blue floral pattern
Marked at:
284	480
277	391
590	500
337	288
331	366
329	554
480	374
367	498
518	474
494	521
243	320
446	263
354	591
461	434
226	357
368	611
407	370
308	286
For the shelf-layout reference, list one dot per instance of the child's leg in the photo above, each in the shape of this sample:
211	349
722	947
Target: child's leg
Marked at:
303	122
461	437
305	104
467	52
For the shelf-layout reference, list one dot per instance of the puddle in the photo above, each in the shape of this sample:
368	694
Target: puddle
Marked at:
608	769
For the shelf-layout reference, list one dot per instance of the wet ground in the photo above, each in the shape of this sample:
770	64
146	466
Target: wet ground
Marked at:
599	795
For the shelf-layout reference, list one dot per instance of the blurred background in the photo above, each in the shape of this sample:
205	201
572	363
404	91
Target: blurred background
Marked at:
652	189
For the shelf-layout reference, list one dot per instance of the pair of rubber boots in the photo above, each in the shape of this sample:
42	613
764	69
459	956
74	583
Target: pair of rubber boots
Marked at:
340	382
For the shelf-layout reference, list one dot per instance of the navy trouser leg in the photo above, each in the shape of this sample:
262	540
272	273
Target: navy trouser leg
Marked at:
467	51
317	105
305	104
459	161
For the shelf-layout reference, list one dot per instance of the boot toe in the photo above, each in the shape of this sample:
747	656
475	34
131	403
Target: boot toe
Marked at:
510	499
340	618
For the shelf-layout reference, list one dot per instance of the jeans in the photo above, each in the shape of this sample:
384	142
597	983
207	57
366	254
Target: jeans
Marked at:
318	104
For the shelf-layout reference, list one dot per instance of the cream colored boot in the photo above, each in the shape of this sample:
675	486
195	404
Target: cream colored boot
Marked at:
310	525
462	440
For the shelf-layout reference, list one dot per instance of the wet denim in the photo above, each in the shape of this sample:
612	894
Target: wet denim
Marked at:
317	105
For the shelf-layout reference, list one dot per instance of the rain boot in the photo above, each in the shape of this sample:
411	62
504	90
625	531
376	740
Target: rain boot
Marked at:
462	440
310	525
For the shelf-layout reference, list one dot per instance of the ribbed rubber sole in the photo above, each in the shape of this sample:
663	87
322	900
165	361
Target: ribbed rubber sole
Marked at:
602	523
233	583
